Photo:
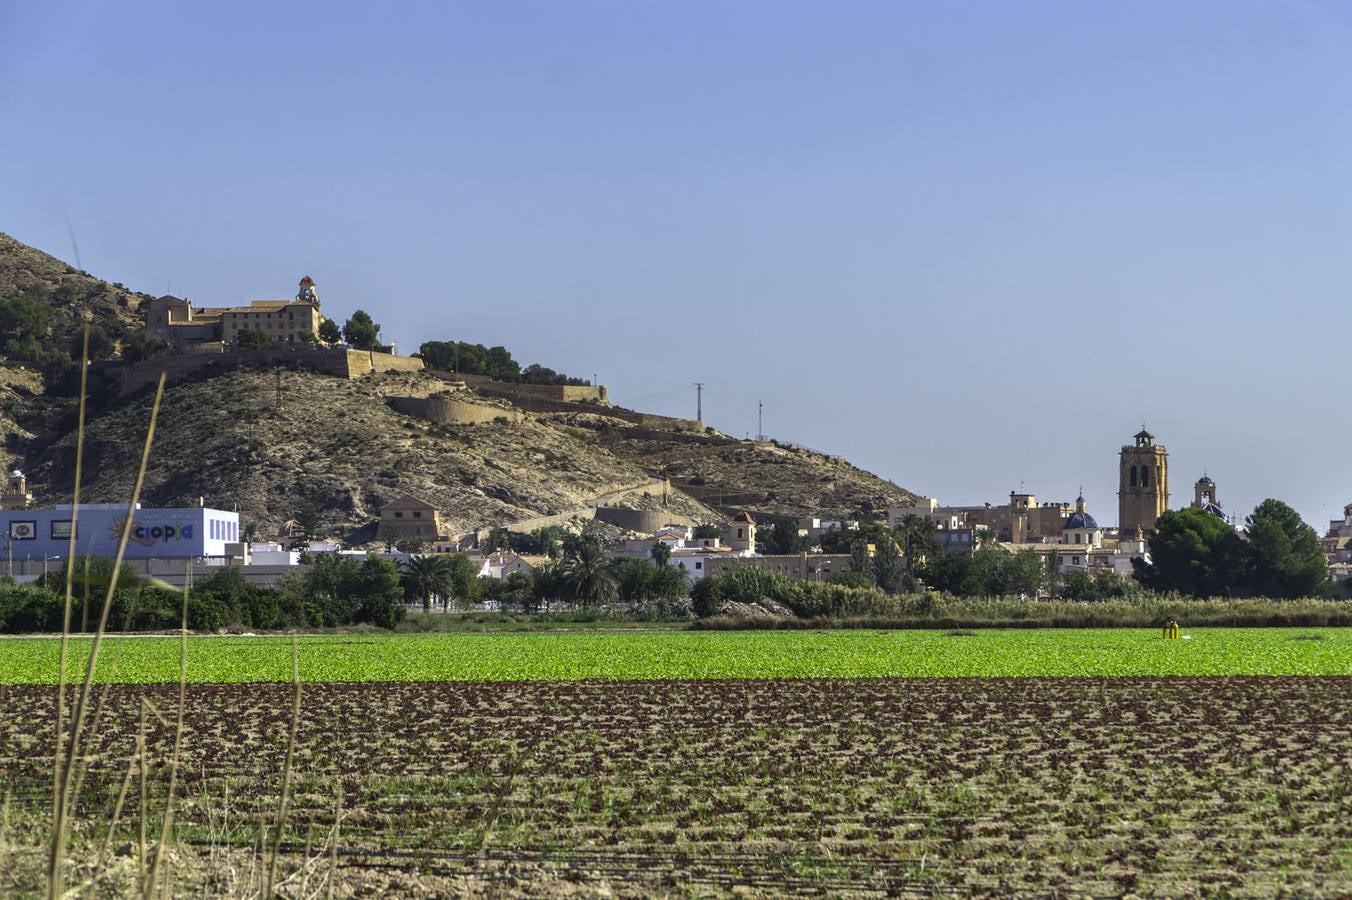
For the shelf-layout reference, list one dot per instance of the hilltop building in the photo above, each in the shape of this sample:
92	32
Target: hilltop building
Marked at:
1143	484
214	327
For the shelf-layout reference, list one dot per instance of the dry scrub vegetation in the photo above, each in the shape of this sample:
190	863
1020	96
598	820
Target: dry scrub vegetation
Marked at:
337	447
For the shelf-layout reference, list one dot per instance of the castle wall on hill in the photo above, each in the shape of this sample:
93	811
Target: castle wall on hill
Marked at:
675	437
549	398
349	364
452	411
664	424
566	393
644	521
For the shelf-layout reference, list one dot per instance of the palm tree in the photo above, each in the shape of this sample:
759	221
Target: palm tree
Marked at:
587	574
918	536
426	577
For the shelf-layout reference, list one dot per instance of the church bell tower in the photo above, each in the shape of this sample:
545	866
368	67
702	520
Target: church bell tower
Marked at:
1143	484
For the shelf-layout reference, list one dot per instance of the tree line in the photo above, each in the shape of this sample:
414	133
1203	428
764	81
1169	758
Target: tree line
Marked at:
493	362
1193	552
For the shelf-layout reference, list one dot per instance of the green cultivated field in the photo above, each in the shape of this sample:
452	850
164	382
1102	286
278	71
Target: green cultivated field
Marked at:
698	655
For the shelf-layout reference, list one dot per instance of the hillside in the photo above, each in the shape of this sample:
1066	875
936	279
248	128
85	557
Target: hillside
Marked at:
338	449
68	295
334	451
764	478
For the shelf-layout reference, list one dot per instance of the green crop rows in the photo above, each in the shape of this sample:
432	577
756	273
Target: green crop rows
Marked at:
699	655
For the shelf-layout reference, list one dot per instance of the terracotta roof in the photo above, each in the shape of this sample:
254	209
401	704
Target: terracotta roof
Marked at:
744	517
408	500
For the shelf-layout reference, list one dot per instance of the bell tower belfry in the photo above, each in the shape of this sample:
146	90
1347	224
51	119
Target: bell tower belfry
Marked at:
1143	484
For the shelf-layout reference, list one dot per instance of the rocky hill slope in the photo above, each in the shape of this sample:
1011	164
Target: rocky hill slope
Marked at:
761	477
337	450
70	295
333	451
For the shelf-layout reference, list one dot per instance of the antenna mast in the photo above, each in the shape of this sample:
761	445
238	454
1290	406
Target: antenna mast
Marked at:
760	421
699	401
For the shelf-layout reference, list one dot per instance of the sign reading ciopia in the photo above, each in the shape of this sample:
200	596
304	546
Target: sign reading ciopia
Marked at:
149	535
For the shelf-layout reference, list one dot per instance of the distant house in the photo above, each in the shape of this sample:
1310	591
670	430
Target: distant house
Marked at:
409	517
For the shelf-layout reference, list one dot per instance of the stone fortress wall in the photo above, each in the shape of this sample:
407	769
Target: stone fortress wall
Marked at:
447	410
348	364
567	393
556	398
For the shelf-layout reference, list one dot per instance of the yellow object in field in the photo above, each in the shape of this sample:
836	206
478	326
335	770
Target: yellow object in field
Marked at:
1171	631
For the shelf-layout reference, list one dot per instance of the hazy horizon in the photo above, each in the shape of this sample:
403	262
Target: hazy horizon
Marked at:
969	247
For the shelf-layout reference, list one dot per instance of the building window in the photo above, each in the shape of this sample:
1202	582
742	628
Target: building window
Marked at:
1145	477
417	514
1133	476
398	515
698	565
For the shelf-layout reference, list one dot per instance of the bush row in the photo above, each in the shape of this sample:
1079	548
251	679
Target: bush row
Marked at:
336	591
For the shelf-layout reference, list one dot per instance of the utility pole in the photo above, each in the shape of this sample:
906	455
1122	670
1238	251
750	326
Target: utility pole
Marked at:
699	401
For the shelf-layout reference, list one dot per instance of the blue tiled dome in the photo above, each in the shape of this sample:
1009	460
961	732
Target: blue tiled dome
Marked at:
1081	520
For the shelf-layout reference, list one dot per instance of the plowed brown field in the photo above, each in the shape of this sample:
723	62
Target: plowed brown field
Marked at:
1102	786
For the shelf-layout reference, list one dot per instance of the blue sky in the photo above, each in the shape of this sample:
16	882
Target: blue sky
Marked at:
966	245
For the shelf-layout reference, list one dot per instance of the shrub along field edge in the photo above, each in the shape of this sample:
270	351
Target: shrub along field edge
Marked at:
937	611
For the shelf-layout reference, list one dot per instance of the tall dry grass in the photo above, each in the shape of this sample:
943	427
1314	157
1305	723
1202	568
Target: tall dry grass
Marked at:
153	872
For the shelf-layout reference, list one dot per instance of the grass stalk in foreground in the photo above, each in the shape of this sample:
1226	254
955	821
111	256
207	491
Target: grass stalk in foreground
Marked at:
54	852
286	773
168	822
65	800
